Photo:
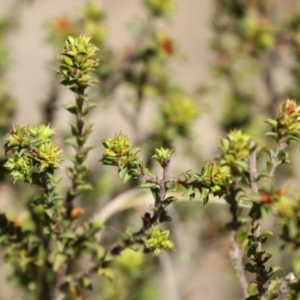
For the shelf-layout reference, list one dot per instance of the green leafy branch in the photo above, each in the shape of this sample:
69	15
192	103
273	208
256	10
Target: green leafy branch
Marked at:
213	179
33	158
285	128
76	61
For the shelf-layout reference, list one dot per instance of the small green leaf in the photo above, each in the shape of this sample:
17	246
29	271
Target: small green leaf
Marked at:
72	142
86	282
171	186
124	174
84	187
264	236
58	261
292	138
263	175
71	107
190	192
148	184
60	246
272	285
252	289
250	268
49	212
69	234
187	176
272	270
269	151
205	200
169	200
272	135
272	122
267	257
87	107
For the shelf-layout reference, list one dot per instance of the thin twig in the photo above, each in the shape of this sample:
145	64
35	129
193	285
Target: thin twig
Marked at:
159	194
110	83
262	279
270	58
237	262
253	172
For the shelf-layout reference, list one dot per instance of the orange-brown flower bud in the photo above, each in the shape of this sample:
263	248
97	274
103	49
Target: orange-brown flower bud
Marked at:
76	212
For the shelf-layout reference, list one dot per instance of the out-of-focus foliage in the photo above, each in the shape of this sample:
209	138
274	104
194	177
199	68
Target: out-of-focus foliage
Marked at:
251	39
142	68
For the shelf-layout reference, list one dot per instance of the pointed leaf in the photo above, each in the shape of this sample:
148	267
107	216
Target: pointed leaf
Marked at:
71	107
272	270
250	268
58	261
272	135
148	184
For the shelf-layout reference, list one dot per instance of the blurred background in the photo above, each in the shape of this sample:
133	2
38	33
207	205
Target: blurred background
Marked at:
178	75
